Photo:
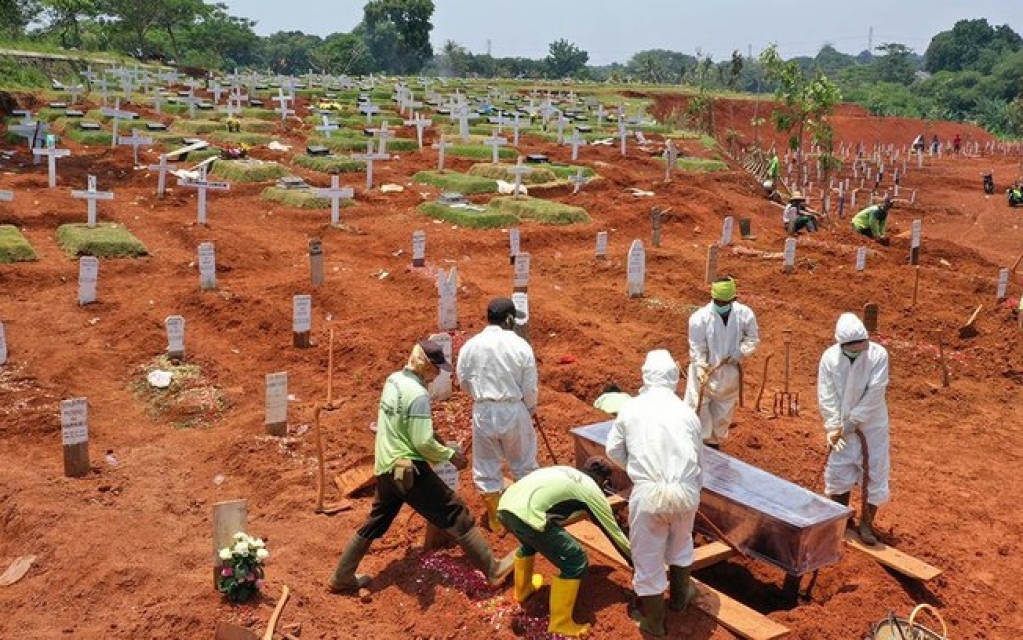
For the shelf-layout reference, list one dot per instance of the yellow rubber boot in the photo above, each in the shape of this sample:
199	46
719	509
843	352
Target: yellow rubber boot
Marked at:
526	582
563	595
493	524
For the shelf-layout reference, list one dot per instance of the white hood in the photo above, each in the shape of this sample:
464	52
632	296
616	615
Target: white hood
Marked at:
660	370
850	329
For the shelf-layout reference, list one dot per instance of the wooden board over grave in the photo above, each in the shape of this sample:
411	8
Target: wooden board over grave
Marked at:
892	558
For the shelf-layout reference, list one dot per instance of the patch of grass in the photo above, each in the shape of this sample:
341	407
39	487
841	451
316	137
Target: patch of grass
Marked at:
260	114
465	217
538	210
480	152
191	399
460	182
564	172
253	125
89	137
697	165
251	139
299	198
197	127
14	73
328	164
13	246
105	240
248	170
355	143
539	175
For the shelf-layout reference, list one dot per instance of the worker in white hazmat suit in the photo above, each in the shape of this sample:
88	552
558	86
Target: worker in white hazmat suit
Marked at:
721	335
498	369
851	382
657	439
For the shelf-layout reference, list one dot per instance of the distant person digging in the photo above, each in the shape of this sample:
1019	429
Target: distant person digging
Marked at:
873	221
797	216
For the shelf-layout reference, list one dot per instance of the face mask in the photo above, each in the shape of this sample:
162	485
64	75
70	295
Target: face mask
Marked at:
852	355
722	309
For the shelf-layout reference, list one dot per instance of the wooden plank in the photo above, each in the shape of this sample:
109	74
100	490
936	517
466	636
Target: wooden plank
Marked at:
735	616
891	557
731	614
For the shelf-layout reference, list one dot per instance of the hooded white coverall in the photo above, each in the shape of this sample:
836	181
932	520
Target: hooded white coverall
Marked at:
851	393
710	342
498	369
656	438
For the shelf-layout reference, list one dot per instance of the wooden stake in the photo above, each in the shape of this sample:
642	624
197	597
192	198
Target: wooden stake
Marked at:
330	369
945	375
916	283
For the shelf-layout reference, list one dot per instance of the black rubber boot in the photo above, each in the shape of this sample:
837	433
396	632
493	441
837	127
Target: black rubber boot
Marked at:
680	587
651	618
843	499
345	578
867	534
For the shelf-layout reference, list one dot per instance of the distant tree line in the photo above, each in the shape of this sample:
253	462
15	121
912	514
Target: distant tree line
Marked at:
973	71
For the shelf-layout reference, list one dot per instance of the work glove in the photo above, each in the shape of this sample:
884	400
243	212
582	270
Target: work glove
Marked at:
835	440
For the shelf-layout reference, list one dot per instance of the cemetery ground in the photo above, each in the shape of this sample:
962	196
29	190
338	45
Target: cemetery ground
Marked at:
125	551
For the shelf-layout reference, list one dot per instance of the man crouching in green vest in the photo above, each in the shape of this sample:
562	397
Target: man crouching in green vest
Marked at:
536	510
873	221
405	449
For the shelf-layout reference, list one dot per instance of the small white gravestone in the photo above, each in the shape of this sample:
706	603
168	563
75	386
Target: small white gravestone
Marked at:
1003	285
914	241
316	274
790	255
336	193
74	436
276	407
447	472
447	308
514	243
602	244
521	301
175	337
6	196
419	248
3	344
207	266
440	388
726	231
91	195
861	259
521	279
636	277
88	276
302	320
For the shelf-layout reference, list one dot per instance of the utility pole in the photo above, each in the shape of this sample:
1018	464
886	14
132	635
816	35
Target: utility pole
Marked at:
488	47
870	41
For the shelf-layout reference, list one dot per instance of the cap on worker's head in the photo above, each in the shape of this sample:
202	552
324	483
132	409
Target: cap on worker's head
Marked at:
435	354
850	328
723	289
500	308
598	468
797	196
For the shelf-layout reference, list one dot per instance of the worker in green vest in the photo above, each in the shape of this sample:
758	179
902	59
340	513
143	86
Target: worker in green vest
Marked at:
873	221
536	510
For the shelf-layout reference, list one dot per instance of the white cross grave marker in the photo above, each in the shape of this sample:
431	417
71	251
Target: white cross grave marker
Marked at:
92	195
419	123
282	108
578	180
463	116
117	113
383	134
135	140
51	153
162	168
369	109
327	127
370	157
518	171
336	193
495	142
516	125
440	146
202	184
576	141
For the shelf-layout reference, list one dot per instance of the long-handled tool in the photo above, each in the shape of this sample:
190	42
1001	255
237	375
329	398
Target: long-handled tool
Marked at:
786	403
543	434
330	406
763	382
703	385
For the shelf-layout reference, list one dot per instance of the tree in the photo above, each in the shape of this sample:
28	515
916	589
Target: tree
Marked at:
454	60
289	52
64	17
896	64
343	53
658	66
219	40
15	15
565	59
963	46
397	33
806	101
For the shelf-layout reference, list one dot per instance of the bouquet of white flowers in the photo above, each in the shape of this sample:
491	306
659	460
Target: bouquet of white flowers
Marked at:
241	571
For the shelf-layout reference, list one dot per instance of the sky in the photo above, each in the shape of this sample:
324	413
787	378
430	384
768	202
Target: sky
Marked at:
614	30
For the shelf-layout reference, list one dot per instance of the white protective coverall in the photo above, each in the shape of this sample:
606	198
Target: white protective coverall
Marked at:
498	369
656	438
710	342
851	393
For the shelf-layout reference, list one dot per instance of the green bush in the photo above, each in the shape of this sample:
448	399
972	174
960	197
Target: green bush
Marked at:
248	170
451	181
105	240
463	217
13	246
328	164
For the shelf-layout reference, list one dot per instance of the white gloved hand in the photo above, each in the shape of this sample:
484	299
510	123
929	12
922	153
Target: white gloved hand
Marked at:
835	440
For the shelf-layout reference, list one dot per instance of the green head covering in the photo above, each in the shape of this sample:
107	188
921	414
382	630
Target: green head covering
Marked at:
723	290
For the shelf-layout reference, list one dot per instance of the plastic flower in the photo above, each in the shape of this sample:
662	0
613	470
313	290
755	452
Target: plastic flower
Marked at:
241	549
262	554
225	553
227	572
